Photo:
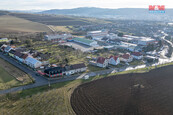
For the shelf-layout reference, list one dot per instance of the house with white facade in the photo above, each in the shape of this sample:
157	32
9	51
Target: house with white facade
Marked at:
126	58
137	55
114	60
102	62
76	68
18	55
7	49
67	70
24	57
3	47
32	62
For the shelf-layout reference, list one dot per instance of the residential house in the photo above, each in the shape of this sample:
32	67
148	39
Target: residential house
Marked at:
3	47
11	52
23	57
126	58
33	63
18	55
137	55
76	68
67	70
55	71
114	60
128	46
7	49
102	62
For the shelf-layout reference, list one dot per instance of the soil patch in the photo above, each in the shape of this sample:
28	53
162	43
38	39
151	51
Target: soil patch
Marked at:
129	94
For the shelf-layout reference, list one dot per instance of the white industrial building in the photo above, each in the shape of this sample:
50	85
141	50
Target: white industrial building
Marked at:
127	46
133	37
146	41
55	37
98	35
112	36
33	63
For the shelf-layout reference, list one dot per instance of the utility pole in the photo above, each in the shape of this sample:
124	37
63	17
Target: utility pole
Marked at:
49	82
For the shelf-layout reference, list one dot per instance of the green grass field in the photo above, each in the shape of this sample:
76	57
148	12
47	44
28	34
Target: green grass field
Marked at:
6	80
11	76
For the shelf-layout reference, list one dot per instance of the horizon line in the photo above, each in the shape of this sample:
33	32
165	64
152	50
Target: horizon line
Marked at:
71	8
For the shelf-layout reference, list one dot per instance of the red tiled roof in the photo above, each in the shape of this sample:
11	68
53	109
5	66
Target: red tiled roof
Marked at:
24	56
114	57
126	56
3	48
101	60
13	46
78	66
136	54
18	54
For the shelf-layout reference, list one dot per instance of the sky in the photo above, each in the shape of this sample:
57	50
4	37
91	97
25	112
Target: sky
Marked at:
68	4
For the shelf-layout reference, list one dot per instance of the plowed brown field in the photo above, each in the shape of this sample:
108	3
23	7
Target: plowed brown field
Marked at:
130	94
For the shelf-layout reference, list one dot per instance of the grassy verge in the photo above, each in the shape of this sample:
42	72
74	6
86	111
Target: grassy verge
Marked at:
141	70
6	80
11	76
92	68
136	62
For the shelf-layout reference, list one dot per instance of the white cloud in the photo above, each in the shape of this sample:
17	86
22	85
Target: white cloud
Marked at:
67	4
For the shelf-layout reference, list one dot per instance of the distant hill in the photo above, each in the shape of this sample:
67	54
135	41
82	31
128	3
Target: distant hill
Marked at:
122	13
56	20
3	12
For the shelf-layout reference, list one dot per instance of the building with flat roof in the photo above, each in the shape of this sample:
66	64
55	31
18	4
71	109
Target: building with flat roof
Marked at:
146	41
56	37
97	35
127	46
85	41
